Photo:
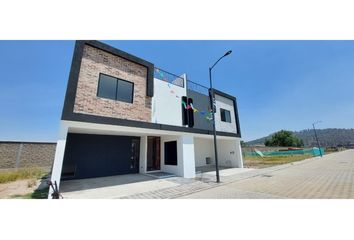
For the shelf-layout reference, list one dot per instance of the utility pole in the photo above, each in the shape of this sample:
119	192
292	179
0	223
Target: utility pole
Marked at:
213	107
318	143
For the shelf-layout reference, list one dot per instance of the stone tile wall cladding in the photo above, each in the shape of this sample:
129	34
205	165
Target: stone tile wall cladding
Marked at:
12	155
96	61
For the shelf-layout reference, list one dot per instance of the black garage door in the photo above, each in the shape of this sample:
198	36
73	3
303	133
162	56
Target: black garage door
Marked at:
88	156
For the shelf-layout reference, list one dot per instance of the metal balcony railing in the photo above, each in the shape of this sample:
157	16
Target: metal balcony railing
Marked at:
168	77
196	87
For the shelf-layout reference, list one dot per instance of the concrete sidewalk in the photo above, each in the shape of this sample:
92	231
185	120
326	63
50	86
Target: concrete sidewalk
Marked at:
329	177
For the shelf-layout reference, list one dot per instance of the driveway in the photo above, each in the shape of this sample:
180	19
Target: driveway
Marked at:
112	187
329	177
136	186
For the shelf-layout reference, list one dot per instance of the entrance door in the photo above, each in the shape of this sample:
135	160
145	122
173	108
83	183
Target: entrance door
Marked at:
153	154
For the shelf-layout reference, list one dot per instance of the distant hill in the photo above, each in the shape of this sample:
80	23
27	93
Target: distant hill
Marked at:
328	137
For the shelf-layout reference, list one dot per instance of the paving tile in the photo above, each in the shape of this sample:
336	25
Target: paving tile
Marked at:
328	177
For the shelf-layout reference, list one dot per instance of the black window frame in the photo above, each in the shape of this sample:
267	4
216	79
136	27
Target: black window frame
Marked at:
223	112
116	91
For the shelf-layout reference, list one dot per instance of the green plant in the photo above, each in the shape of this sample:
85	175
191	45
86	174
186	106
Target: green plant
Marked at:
24	173
284	138
243	144
36	194
268	161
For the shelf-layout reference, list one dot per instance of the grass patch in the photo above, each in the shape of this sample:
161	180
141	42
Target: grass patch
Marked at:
268	161
36	194
24	173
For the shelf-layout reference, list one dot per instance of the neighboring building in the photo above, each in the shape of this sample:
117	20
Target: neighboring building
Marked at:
122	115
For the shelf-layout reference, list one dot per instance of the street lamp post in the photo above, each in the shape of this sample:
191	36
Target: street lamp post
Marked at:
213	107
318	143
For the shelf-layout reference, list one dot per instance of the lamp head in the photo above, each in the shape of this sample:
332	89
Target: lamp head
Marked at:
228	53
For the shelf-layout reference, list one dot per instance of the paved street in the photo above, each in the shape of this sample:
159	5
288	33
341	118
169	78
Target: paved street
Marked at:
329	177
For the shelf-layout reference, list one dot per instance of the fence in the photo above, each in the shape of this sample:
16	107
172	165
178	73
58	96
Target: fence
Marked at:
26	154
168	77
196	87
309	151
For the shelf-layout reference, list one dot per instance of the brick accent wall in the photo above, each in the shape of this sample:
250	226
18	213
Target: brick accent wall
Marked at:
13	155
96	61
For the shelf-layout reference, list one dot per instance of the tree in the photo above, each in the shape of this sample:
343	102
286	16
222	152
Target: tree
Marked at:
284	138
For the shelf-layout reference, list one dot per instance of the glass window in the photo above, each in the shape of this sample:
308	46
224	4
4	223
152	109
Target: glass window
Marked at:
114	88
107	87
225	115
171	153
125	91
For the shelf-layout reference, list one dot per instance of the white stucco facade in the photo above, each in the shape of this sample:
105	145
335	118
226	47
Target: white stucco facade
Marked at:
230	154
185	156
204	148
227	104
166	103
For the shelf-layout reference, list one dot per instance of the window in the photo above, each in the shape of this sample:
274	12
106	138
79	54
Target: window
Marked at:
114	88
107	87
171	153
225	115
125	91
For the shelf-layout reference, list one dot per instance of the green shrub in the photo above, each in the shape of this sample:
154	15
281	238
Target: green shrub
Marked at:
23	173
36	194
284	138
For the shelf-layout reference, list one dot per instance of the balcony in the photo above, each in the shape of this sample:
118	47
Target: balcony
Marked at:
179	81
196	87
168	77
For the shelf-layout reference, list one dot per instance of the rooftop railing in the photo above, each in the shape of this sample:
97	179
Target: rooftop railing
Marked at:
168	77
196	87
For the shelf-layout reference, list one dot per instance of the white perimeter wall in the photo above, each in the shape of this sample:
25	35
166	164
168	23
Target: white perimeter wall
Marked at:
227	104
229	152
203	148
166	107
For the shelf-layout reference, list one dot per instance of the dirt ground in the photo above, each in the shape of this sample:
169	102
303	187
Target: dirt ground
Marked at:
268	161
19	187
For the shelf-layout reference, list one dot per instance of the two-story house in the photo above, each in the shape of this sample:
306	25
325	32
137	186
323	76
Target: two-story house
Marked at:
122	115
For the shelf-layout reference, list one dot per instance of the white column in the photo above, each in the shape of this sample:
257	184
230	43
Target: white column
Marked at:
188	159
143	154
239	153
59	156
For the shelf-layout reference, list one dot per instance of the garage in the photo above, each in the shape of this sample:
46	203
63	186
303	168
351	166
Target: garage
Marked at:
90	156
